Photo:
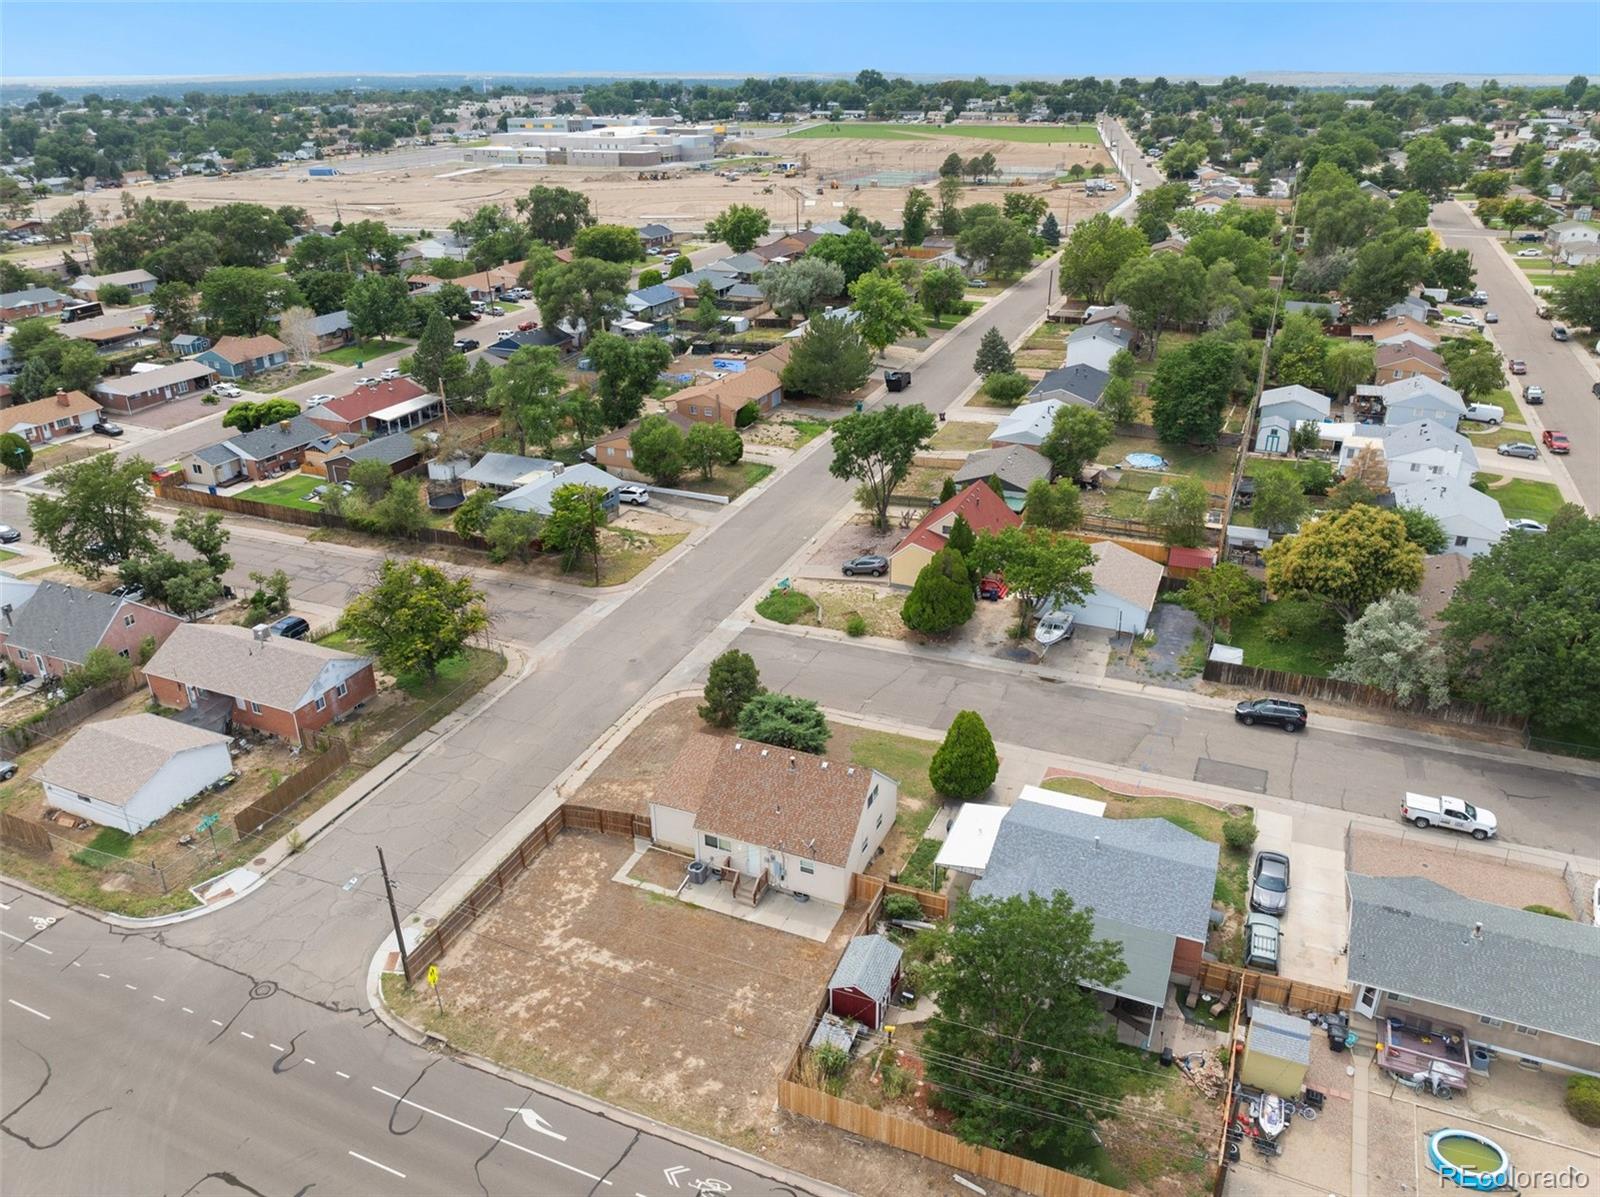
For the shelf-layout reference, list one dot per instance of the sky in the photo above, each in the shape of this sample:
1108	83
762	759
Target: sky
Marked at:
1116	38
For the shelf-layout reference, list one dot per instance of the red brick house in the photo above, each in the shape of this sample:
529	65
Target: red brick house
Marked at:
136	392
43	420
613	452
58	626
720	401
286	688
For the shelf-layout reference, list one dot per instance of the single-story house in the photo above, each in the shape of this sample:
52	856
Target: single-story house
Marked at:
1282	410
486	286
1328	311
332	330
1417	398
613	452
983	510
1441	574
1027	424
1096	344
744	267
1124	594
1422	451
1401	360
1119	313
654	304
1082	384
59	625
1148	881
787	247
688	285
765	817
1580	254
29	302
245	357
504	472
398	451
392	405
111	338
1397	329
720	401
260	454
1570	232
43	420
140	282
866	980
1418	308
535	496
136	392
1472	520
1519	983
286	688
127	773
1017	467
332	445
554	338
969	840
656	236
185	344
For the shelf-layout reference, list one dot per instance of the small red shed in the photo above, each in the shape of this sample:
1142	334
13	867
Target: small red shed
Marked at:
866	980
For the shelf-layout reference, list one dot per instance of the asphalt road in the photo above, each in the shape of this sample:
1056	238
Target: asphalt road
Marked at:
1570	405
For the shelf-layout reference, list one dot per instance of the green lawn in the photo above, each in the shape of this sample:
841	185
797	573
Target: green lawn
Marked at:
903	758
1208	465
1033	134
7	554
1524	499
350	355
787	606
1294	635
286	492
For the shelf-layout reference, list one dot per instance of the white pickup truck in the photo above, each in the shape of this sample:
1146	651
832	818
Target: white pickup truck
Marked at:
1422	810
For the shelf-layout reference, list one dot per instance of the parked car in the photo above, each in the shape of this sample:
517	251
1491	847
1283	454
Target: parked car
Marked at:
1464	321
9	535
1533	393
1469	301
107	428
1530	236
294	627
1491	318
1530	253
1522	525
366	381
1484	413
872	563
526	326
1524	449
1556	442
1424	810
497	310
465	344
1291	716
633	493
316	399
391	372
991	590
1558	332
1263	942
8	770
1518	366
227	390
1269	883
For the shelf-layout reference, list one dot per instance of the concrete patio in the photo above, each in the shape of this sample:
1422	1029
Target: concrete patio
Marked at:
776	910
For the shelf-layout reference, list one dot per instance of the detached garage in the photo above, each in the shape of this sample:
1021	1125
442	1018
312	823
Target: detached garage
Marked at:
1125	589
865	982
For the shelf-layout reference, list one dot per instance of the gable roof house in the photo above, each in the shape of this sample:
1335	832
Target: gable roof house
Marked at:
1401	360
245	357
613	452
764	817
1472	520
286	688
43	420
127	773
31	301
1017	467
720	401
1395	330
1082	383
137	392
1027	424
140	282
535	494
1148	881
263	453
1096	344
1570	232
1282	410
1425	451
654	304
504	472
1519	982
687	285
1124	594
59	625
393	405
983	510
744	267
1418	398
656	236
398	451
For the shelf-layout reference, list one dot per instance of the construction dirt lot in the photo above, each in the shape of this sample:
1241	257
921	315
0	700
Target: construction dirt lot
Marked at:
683	1014
427	189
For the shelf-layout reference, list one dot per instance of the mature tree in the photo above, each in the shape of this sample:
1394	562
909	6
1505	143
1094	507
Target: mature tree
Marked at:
1050	230
965	764
1053	505
609	243
949	197
1320	274
1220	593
378	306
941	598
680	265
1020	1074
1386	268
98	515
1159	290
324	290
1392	648
627	371
995	244
1123	365
16	455
434	347
1042	568
249	414
887	311
510	535
1476	375
708	445
1190	390
708	317
1024	210
916	216
586	292
1410	210
784	721
1280	503
1346	365
371	478
994	354
855	253
577	515
650	278
829	360
1251	258
731	682
473	516
1156	207
740	226
1577	298
554	215
1430	166
1119	403
538	258
875	449
1300	351
801	286
952	166
1347	560
415	616
238	300
1424	530
1523	630
398	512
527	392
1178	511
941	290
1451	269
172	309
297	330
1076	435
657	448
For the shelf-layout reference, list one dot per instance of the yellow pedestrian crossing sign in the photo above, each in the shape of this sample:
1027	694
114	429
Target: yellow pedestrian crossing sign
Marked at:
433	975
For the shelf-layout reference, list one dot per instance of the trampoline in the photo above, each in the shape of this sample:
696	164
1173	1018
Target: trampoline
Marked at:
1145	461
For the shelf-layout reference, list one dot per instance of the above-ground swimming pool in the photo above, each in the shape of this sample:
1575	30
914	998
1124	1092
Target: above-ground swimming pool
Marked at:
1145	461
1469	1159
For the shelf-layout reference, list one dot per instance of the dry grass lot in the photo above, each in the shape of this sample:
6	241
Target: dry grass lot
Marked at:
1470	874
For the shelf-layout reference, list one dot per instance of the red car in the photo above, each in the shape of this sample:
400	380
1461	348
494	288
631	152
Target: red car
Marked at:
992	588
527	326
1556	442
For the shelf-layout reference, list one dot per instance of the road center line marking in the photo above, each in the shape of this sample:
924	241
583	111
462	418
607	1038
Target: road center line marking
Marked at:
375	1164
216	1022
135	988
405	1101
29	1009
186	1010
277	1047
158	997
306	1060
104	976
26	944
346	1075
247	1034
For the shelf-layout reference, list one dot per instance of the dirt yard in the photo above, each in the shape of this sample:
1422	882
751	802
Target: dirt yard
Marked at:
1470	874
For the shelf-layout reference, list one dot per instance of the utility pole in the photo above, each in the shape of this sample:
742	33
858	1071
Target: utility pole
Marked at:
399	939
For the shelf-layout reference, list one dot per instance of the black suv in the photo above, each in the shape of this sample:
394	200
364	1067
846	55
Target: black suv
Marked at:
1290	716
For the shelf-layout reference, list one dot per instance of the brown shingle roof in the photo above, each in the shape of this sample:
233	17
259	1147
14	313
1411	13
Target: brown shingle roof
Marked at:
243	349
277	672
733	391
1124	573
46	410
1387	355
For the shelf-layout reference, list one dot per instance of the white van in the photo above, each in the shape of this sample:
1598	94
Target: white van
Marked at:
1484	413
1422	810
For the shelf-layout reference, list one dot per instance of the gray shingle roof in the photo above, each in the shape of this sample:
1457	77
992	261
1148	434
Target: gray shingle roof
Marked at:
330	322
387	449
1281	1036
114	759
658	294
1015	465
225	659
275	438
63	621
217	455
868	964
1412	936
506	469
28	295
1081	382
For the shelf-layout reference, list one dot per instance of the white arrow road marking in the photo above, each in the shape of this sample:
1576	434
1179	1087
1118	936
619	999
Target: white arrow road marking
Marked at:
406	1101
673	1173
533	1122
375	1164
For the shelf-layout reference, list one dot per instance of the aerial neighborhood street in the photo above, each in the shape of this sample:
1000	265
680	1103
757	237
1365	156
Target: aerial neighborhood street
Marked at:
817	635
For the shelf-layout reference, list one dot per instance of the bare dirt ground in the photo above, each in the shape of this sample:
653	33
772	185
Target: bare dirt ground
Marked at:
629	776
1467	873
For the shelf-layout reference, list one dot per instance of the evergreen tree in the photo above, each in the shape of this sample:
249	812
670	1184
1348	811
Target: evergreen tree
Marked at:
1050	231
941	599
994	355
731	682
965	764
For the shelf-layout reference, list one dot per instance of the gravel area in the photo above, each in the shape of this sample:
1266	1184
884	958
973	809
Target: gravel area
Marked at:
1470	874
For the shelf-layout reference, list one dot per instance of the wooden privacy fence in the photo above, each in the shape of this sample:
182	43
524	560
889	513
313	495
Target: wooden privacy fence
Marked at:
872	890
1351	694
1299	996
58	719
24	833
999	1166
291	790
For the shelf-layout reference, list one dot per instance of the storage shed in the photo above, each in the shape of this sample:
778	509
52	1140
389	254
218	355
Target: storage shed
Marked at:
1277	1052
865	981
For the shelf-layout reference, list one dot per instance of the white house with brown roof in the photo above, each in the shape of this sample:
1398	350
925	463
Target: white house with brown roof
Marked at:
763	817
45	420
127	773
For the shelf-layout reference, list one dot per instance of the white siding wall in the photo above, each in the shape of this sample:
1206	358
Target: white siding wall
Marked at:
1102	610
672	827
876	820
180	779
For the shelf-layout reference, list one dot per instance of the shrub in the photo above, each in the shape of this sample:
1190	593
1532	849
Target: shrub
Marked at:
1007	388
855	625
1541	908
831	1059
210	400
1583	1099
1239	832
746	416
897	1082
901	906
784	721
965	765
941	598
